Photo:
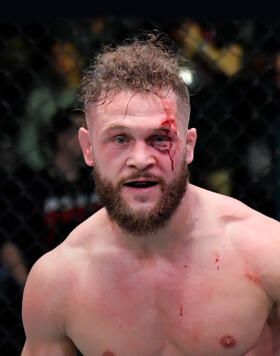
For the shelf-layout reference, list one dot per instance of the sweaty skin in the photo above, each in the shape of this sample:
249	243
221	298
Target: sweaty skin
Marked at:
206	284
105	308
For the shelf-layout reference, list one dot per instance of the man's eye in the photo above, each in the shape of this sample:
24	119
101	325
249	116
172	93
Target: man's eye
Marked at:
161	139
161	142
120	140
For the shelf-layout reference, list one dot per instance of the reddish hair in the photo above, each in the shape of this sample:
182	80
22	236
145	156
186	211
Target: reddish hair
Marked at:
138	65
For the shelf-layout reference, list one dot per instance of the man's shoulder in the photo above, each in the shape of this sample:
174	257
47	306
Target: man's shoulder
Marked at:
46	273
43	295
50	281
256	236
248	219
241	221
234	210
55	267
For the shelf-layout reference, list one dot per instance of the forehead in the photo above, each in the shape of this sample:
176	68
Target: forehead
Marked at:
127	107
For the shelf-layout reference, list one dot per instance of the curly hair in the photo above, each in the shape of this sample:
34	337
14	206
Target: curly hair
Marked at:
146	65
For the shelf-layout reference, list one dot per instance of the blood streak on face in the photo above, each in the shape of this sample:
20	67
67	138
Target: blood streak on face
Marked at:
170	124
227	342
170	157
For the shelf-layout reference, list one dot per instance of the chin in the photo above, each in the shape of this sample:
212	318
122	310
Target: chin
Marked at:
143	210
142	202
141	207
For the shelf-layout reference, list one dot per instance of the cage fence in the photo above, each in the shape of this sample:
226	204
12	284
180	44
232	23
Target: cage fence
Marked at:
232	69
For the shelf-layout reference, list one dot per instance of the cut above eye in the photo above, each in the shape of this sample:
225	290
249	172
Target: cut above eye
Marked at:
141	184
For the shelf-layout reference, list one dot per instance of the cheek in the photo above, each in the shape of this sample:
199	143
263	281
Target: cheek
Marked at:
176	154
171	156
107	161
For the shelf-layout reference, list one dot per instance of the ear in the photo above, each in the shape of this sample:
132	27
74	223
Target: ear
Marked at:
191	141
86	145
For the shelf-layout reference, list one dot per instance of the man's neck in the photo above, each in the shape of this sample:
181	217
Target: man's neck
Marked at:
178	231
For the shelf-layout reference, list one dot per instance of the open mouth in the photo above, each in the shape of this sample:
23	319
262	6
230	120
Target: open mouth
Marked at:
141	184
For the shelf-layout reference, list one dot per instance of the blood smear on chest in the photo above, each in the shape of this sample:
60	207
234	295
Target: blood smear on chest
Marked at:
181	311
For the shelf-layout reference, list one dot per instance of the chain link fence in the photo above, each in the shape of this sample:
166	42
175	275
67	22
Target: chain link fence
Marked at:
232	68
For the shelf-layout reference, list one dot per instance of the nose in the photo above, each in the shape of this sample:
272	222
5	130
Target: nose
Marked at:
140	157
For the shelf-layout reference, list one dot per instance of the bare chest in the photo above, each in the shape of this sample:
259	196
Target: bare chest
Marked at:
167	310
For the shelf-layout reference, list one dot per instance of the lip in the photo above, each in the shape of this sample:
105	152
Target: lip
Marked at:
141	180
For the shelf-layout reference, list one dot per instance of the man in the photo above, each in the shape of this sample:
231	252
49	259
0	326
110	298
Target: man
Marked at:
165	268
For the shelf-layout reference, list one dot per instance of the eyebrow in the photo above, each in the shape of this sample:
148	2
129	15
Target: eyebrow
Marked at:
117	127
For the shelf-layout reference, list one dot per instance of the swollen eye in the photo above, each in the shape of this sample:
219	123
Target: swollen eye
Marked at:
161	143
161	139
164	145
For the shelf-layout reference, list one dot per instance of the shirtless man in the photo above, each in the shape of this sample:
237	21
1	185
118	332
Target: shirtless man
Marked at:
165	268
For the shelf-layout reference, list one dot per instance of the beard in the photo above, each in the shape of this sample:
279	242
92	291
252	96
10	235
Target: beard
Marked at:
141	223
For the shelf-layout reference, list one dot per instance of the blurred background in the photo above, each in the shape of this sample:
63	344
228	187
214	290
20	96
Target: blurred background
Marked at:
232	69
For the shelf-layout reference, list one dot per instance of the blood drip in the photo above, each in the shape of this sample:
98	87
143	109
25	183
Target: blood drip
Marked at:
170	124
181	311
170	157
